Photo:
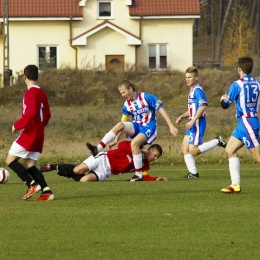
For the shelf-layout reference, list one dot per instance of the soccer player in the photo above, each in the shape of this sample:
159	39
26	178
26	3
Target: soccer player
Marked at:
195	128
105	164
29	144
246	93
139	108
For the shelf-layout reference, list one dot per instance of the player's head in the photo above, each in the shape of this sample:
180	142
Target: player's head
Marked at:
246	64
191	76
31	72
127	89
126	84
154	152
193	70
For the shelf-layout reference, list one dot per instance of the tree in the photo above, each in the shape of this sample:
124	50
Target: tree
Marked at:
241	38
220	36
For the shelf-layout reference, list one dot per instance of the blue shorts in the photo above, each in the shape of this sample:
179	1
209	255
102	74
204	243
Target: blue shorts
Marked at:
197	131
247	131
149	131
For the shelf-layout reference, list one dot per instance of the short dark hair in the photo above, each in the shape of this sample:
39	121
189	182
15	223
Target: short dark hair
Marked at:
127	83
31	72
157	147
246	64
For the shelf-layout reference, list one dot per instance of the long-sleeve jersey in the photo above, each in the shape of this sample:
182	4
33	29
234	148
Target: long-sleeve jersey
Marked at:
196	98
246	93
121	159
35	116
143	109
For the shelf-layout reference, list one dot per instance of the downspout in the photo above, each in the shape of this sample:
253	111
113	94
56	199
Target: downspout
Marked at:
140	36
76	50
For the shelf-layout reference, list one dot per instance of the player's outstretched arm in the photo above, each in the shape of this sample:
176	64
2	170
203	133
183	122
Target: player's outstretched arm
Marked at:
179	119
147	177
165	115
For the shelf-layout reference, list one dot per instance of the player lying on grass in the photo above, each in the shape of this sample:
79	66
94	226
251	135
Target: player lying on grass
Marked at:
106	164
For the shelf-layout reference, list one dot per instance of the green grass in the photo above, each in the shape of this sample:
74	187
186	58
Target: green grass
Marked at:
115	219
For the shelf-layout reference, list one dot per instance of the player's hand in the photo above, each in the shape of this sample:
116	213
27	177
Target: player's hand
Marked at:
174	131
189	125
110	145
13	129
223	97
161	179
178	120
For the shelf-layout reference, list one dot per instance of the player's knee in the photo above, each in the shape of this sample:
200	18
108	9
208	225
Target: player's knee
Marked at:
196	151
79	171
135	145
118	127
230	153
83	180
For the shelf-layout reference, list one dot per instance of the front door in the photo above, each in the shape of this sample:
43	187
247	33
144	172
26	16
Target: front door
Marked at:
115	62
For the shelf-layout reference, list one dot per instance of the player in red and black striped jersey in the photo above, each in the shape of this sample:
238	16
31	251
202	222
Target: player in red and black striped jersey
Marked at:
112	162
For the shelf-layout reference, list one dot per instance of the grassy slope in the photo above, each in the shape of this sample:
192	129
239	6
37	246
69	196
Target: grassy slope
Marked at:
86	104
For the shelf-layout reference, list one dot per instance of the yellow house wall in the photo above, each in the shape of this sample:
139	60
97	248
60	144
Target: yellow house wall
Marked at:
177	33
24	37
104	42
121	18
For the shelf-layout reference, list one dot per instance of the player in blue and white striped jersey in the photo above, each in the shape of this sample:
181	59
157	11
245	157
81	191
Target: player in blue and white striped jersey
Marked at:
195	128
138	122
246	93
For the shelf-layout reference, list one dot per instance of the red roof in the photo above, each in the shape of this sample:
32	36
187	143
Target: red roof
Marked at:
43	8
164	7
67	8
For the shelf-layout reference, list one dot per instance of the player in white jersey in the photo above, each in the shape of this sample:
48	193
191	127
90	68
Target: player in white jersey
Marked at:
138	122
195	128
246	93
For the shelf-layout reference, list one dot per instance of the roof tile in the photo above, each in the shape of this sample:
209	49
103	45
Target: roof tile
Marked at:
164	7
43	8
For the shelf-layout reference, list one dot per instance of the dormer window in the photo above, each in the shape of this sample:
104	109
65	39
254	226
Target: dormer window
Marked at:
105	9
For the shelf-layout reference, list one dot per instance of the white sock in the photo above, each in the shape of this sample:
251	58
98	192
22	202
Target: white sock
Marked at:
109	137
190	162
138	163
234	169
208	145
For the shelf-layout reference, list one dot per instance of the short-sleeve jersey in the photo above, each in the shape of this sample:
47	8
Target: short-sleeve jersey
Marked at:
246	93
121	159
143	109
35	116
196	98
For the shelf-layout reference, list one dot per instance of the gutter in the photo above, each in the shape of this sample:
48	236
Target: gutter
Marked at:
140	37
76	49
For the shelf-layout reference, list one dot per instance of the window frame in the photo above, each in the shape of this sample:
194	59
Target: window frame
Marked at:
47	50
157	56
111	8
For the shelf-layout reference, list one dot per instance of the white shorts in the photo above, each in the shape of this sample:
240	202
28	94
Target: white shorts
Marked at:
19	151
99	165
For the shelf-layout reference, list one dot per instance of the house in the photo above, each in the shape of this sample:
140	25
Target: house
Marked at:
104	34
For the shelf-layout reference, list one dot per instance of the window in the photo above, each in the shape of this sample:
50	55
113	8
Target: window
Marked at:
47	57
157	56
105	9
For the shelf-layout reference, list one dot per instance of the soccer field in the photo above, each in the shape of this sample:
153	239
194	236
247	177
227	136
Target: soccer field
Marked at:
115	219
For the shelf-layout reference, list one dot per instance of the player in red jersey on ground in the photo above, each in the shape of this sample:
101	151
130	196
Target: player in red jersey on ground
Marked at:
29	144
106	164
